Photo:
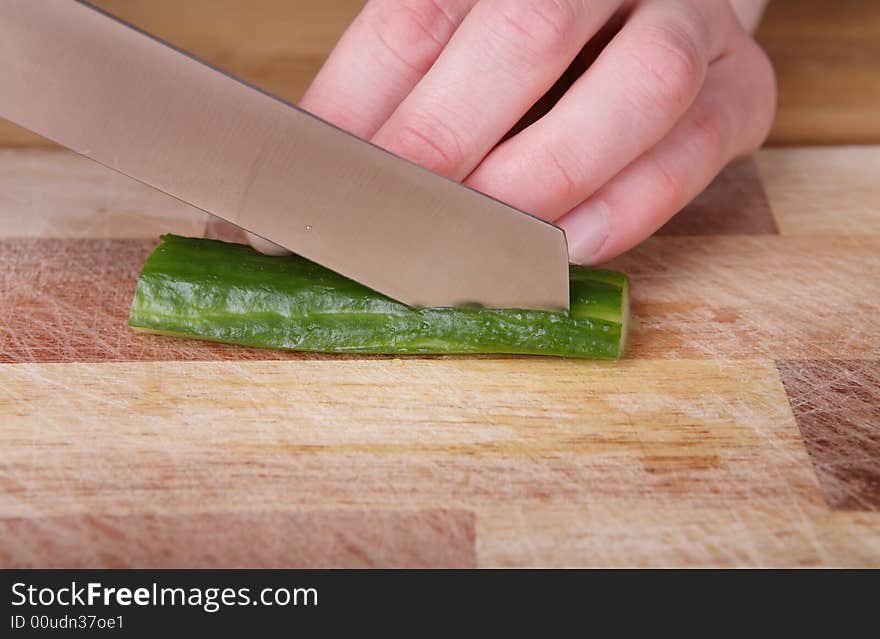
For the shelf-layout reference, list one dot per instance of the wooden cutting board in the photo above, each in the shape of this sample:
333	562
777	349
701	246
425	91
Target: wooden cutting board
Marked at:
742	428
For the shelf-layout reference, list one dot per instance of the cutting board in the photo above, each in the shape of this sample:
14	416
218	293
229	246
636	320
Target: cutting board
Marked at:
742	427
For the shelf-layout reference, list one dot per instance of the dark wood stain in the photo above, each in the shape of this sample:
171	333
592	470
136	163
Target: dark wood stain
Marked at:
302	539
68	301
837	407
734	204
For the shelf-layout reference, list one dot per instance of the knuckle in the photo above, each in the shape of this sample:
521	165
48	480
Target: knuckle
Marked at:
537	27
561	174
665	182
428	141
711	134
411	30
672	65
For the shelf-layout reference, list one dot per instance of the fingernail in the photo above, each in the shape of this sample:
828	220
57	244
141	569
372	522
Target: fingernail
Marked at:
587	229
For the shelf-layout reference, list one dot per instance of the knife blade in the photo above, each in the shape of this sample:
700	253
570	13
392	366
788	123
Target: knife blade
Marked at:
117	95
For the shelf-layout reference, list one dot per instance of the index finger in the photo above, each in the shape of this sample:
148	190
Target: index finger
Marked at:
382	55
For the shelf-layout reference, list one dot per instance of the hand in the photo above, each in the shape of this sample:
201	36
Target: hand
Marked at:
673	90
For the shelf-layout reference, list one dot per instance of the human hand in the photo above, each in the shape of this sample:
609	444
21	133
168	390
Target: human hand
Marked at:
678	91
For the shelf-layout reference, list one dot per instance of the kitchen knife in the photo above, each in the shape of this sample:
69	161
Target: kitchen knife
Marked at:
117	95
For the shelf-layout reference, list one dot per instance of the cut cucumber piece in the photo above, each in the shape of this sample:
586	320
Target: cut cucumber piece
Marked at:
230	293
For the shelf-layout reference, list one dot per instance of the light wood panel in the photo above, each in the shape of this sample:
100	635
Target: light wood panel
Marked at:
553	457
827	58
49	193
823	191
755	296
660	536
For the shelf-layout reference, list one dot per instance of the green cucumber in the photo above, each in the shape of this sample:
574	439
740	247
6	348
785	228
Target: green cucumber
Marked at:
230	293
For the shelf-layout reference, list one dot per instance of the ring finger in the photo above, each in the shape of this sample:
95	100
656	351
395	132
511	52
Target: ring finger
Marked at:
628	100
505	55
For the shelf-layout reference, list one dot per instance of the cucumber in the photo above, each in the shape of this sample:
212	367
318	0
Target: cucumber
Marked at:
230	293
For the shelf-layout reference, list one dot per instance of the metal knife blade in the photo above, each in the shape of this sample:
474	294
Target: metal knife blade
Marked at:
119	96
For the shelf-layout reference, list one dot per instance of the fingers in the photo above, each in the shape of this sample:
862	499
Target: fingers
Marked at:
380	58
731	117
628	100
505	55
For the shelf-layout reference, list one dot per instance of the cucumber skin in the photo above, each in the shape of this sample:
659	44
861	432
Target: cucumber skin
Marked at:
230	293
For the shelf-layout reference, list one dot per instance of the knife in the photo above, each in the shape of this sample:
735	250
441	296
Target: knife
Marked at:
110	92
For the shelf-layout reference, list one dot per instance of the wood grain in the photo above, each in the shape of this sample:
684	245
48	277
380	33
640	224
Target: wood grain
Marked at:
827	59
607	534
673	448
65	300
755	296
306	539
697	450
213	436
47	193
837	407
823	191
734	204
827	55
693	297
601	535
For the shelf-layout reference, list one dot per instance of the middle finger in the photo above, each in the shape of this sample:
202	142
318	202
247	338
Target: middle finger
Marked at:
624	103
504	56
